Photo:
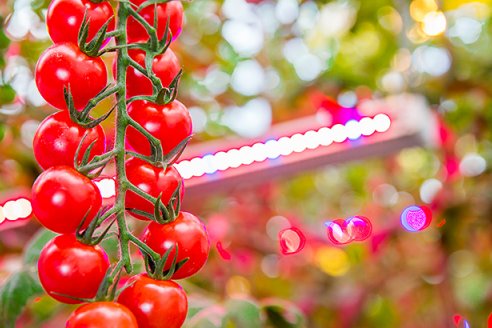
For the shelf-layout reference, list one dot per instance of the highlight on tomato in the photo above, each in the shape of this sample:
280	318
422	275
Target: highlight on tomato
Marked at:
170	123
64	66
70	270
155	303
191	237
57	138
62	198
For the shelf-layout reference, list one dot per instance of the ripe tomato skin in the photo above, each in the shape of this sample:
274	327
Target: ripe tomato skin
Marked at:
169	123
173	9
191	236
153	180
67	266
57	138
64	18
61	197
102	315
63	64
155	303
165	67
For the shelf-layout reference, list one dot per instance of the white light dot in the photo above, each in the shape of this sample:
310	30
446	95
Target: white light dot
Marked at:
339	133
233	158
467	29
434	23
221	161
199	118
10	210
429	190
247	155
259	152
311	139
208	162
272	149
246	38
184	168
248	78
381	122
285	146
472	165
325	136
366	126
298	142
23	208
431	60
197	167
287	11
353	129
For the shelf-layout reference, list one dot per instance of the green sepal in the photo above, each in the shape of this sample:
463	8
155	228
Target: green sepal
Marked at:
92	47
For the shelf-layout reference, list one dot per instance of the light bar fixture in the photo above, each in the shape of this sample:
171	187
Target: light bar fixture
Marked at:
386	126
274	148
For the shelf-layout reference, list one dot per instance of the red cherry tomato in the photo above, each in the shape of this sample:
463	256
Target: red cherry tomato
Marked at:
170	123
155	303
152	180
172	10
68	267
100	314
61	197
57	138
189	234
64	65
165	67
64	18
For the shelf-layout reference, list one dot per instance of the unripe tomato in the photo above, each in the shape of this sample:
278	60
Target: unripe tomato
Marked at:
68	267
102	315
165	67
153	180
170	123
62	197
172	10
189	234
64	19
155	303
57	138
63	65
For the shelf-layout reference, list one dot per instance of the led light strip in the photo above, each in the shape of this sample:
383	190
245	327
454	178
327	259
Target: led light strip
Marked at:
15	209
284	146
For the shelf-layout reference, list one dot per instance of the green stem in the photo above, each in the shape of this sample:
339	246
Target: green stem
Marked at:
121	125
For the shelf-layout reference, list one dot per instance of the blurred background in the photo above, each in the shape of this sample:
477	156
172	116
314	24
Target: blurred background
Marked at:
252	64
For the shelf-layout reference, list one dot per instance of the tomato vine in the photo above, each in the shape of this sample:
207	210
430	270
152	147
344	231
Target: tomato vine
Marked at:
147	186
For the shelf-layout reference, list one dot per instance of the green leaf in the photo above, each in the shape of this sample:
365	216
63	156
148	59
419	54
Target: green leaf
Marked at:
283	314
210	317
41	238
243	313
15	294
7	94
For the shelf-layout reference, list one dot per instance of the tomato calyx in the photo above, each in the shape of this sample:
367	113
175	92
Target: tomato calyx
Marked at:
162	213
82	118
87	167
86	236
155	269
167	95
93	47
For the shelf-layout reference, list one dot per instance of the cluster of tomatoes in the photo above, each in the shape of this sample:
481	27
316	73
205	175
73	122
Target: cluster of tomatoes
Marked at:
66	201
